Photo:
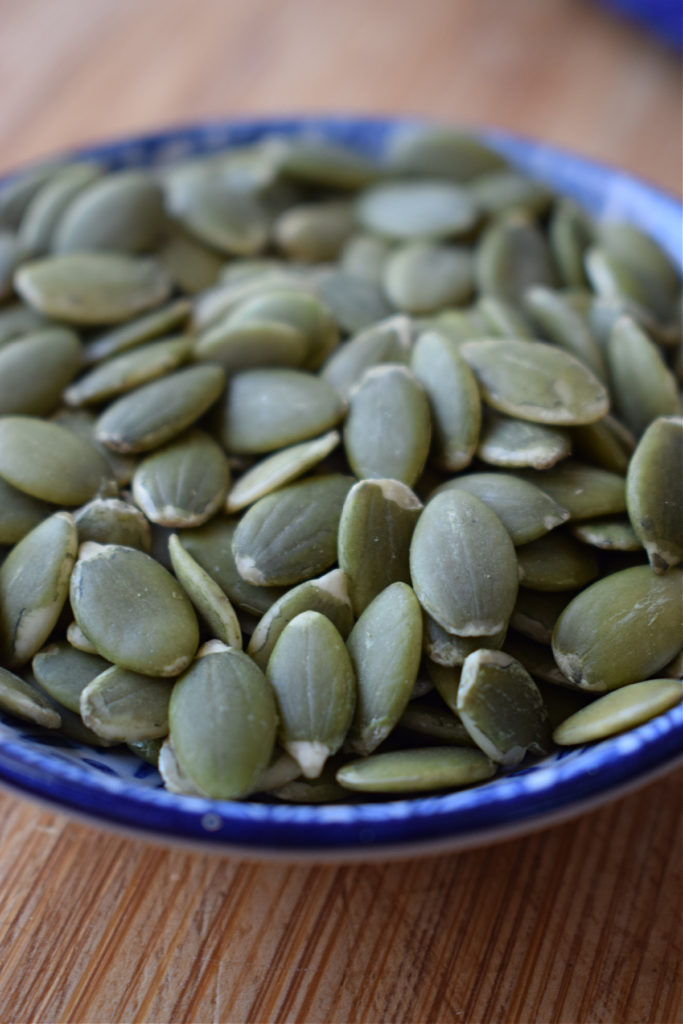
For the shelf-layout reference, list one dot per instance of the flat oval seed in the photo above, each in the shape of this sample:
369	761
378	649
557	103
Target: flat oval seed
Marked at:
146	750
315	688
247	346
267	409
463	565
323	163
49	462
295	308
354	302
453	397
388	430
191	265
314	232
607	444
10	258
323	790
223	722
642	384
623	709
35	369
16	320
34	585
621	629
518	444
328	595
78	640
212	605
133	610
172	775
373	545
442	152
125	706
416	209
385	647
502	320
111	521
92	288
556	562
158	412
128	371
537	659
439	724
512	256
501	707
20	190
184	483
365	256
450	650
525	510
536	382
423	277
135	332
64	672
385	342
19	513
584	491
234	223
507	191
281	468
26	701
291	535
656	273
559	322
122	212
536	613
612	533
654	492
570	233
45	210
82	423
416	771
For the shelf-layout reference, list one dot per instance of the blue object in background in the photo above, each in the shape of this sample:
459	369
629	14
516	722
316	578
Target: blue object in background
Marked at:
662	17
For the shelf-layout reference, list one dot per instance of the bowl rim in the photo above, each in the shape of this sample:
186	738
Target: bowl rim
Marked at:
510	804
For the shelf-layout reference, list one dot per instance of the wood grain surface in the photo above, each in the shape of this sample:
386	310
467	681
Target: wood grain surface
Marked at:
581	923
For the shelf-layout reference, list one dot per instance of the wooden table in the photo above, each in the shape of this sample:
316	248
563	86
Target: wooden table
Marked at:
581	923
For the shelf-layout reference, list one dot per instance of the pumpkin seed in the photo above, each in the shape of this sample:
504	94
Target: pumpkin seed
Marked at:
385	342
174	778
436	723
245	347
438	151
422	277
82	423
111	521
536	612
17	320
570	233
323	790
34	585
323	163
512	256
129	370
506	191
584	491
230	221
559	322
643	386
92	288
35	369
502	320
365	256
416	771
315	688
77	639
121	212
19	698
621	629
146	750
607	444
354	302
19	513
517	444
294	308
658	277
416	209
385	646
139	330
313	232
611	533
654	492
10	258
18	193
133	610
447	682
450	650
124	706
64	672
556	562
281	468
191	265
46	208
212	605
537	659
622	709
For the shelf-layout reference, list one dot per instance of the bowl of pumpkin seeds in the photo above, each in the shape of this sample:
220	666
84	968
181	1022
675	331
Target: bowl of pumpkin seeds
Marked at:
341	485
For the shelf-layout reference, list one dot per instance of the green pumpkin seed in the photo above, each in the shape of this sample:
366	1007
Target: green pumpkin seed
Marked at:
82	423
17	320
450	650
365	256
621	629
501	707
291	535
327	164
416	771
516	443
211	546
212	605
654	492
453	397
111	521
191	265
525	511
561	702
281	771
607	444
570	233
446	679
19	513
388	429
251	345
133	610
327	595
314	232
512	256
45	211
623	709
136	332
223	722
266	409
463	565
18	193
281	468
157	412
64	672
385	342
315	688
92	288
354	302
643	386
556	562
536	613
323	790
537	659
294	308
436	723
34	585
459	325
506	191
416	209
173	777
129	370
35	369
584	491
438	151
385	646
49	462
124	706
537	382
611	533
11	256
422	277
559	322
78	640
146	750
184	483
502	320
20	698
121	212
232	222
656	274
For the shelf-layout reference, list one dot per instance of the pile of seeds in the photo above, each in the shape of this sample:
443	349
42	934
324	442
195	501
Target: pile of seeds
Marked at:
319	475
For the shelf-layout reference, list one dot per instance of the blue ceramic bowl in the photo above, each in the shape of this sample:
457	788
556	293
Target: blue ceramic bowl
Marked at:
112	788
